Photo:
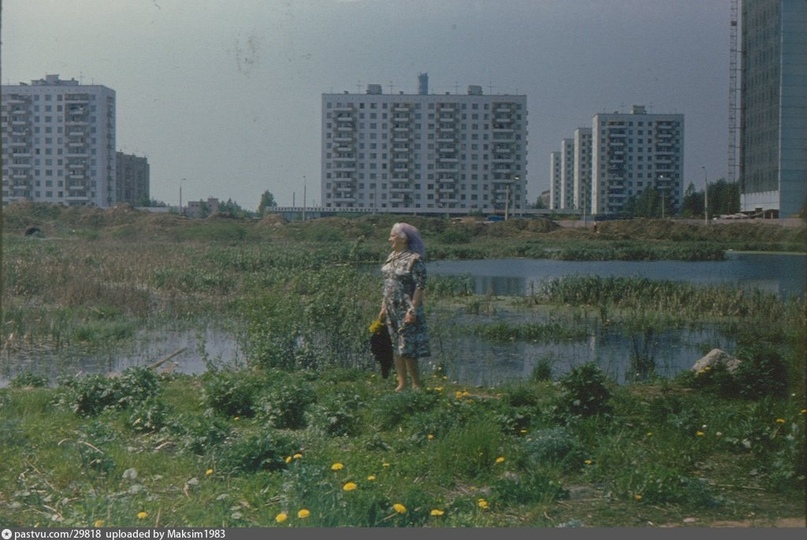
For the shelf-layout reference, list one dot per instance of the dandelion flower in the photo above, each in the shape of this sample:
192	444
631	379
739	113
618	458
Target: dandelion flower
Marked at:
483	504
780	420
500	459
587	462
430	436
337	467
385	464
398	507
638	497
350	486
803	411
142	515
281	517
302	514
699	434
649	433
437	512
208	472
288	459
523	431
237	418
371	478
375	326
297	456
98	523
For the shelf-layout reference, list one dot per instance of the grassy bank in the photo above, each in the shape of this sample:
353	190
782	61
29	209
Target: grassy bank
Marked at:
307	434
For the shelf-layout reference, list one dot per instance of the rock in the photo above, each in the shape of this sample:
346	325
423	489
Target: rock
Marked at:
716	357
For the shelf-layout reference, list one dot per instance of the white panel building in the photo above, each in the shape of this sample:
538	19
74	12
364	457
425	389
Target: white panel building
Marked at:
634	152
582	170
555	167
424	153
58	143
567	173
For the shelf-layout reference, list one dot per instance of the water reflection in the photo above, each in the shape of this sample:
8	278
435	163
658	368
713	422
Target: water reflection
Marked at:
782	274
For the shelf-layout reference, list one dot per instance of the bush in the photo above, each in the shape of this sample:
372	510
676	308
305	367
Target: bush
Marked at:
762	373
256	452
92	394
584	392
231	393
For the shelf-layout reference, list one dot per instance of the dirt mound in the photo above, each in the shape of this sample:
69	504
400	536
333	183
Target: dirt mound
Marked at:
272	220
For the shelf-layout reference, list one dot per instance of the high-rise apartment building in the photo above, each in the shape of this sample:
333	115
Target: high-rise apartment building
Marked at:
132	179
582	170
773	115
567	173
424	153
555	167
59	143
635	152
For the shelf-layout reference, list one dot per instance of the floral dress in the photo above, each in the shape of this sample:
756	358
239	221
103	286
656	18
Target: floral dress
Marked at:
404	272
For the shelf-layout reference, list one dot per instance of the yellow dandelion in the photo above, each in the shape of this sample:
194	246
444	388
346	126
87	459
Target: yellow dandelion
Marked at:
237	418
638	497
699	434
350	486
208	472
803	411
459	394
297	456
500	459
98	523
337	467
142	515
375	326
438	388
588	462
780	420
288	459
430	436
483	504
385	464
523	431
371	478
437	512
649	433
398	507
302	514
281	517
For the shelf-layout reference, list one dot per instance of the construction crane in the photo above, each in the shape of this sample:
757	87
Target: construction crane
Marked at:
734	54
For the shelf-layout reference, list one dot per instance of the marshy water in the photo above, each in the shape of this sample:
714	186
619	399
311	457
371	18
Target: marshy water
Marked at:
470	359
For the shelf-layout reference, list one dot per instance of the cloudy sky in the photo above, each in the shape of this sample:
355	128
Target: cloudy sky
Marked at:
227	93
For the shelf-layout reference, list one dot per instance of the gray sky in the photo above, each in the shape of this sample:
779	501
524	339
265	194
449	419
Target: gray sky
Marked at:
227	93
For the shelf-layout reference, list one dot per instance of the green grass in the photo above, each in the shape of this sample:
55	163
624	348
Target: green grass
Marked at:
450	455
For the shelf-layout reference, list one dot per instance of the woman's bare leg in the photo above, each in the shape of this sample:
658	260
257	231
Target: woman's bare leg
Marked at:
400	370
413	368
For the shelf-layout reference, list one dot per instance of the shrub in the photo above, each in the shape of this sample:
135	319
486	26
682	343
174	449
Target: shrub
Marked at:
92	394
285	401
584	392
231	393
256	452
762	373
28	380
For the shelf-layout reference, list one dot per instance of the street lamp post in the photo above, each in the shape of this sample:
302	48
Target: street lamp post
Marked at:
705	196
181	210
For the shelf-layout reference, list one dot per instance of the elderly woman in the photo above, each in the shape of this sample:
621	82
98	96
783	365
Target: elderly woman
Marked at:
402	307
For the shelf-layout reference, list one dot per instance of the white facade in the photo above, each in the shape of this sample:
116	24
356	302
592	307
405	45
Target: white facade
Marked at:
567	174
59	143
582	170
424	153
555	166
635	152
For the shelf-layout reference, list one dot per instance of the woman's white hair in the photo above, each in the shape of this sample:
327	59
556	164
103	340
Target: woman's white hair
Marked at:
414	241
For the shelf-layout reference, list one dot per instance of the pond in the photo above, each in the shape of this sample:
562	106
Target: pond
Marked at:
782	273
470	359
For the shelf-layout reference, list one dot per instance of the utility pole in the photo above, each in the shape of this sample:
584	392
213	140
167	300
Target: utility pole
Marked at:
181	211
705	196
